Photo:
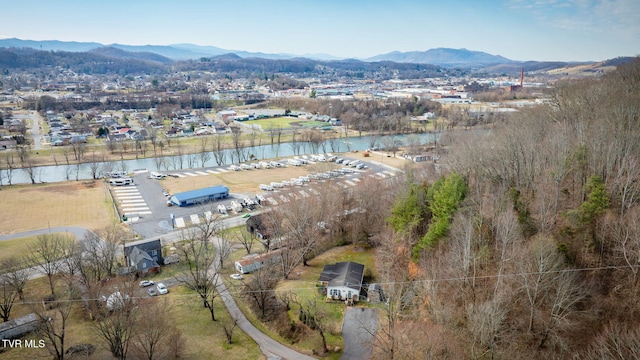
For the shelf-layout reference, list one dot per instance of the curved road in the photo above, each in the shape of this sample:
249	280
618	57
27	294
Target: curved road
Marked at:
79	232
271	348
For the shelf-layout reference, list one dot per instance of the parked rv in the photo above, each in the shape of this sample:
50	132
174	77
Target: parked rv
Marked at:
121	181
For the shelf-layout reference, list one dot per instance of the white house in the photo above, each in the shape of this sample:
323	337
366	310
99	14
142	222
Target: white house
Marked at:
343	281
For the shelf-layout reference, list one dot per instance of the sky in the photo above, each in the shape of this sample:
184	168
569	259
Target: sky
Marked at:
542	30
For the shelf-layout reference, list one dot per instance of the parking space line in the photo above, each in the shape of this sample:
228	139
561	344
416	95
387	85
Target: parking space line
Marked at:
201	173
213	172
390	173
179	222
195	219
134	209
144	212
271	201
356	179
303	193
129	197
132	201
181	176
223	170
283	198
350	182
381	175
120	190
190	174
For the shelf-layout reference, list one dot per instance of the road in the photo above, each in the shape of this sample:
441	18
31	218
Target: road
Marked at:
35	127
270	348
79	232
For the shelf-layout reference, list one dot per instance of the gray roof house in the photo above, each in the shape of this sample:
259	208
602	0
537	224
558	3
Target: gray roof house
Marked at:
343	281
143	256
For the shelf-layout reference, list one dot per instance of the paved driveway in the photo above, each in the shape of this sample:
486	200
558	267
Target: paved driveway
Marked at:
358	327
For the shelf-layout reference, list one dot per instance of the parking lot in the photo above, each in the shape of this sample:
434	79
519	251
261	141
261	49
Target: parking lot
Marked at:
148	215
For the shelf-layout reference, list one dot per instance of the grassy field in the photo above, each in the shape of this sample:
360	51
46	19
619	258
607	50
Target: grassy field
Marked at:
30	207
284	123
204	339
17	247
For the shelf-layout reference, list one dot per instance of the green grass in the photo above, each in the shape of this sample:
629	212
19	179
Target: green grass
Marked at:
284	123
15	248
303	283
19	247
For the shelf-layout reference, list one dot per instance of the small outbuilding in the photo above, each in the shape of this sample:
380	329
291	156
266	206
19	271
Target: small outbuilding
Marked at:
200	196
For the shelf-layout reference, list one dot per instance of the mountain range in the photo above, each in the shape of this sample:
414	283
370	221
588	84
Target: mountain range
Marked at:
439	56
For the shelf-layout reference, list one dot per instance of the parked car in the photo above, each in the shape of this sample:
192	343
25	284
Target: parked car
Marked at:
162	289
152	291
145	283
236	276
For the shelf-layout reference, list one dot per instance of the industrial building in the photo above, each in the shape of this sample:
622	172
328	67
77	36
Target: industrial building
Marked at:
200	196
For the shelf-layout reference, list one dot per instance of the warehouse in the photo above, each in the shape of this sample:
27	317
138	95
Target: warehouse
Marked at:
200	196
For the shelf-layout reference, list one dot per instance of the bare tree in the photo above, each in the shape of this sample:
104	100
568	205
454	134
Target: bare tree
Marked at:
259	289
228	328
314	317
217	145
16	273
8	295
203	152
245	238
157	337
199	267
45	255
54	322
118	323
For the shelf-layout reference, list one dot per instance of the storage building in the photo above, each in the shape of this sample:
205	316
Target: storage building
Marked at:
200	196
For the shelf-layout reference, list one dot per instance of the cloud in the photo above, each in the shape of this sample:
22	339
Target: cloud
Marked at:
617	17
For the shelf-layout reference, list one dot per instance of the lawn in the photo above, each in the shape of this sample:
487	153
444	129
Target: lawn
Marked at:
30	207
302	282
204	339
284	123
17	247
14	248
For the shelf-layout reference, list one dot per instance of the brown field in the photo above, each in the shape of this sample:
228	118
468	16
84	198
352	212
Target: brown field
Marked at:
30	207
243	181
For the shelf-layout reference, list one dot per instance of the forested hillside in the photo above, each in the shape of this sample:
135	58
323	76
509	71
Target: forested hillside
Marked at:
528	246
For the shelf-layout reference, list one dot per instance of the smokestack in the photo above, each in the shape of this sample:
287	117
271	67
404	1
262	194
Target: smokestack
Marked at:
521	76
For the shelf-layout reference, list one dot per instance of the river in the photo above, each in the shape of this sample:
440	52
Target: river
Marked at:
49	174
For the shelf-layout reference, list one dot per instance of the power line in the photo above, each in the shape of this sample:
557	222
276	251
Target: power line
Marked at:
237	291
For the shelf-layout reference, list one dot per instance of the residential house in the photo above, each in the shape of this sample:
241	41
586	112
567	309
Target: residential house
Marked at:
342	281
143	256
253	262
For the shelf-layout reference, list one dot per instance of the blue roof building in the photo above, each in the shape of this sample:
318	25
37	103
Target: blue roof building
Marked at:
200	196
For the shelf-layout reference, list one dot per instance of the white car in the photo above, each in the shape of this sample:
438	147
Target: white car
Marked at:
162	289
236	276
145	283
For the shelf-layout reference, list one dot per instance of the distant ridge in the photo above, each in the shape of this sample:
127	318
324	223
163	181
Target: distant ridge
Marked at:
113	52
442	56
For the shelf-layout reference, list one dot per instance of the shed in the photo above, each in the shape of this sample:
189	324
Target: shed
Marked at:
343	280
200	196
